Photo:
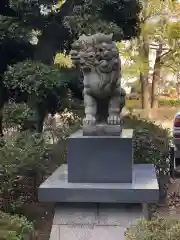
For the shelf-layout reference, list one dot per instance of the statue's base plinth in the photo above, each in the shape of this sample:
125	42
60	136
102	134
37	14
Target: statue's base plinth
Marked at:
143	189
102	130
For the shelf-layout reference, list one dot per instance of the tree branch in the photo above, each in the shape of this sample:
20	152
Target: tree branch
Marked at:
174	69
164	54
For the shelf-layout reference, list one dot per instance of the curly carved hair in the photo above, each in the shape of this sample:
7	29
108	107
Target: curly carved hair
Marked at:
97	51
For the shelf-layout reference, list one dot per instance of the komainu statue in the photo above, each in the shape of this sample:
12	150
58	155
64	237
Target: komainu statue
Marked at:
98	58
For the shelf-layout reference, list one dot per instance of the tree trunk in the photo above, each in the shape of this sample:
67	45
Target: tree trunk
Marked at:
154	89
142	90
145	93
178	85
177	90
41	111
156	78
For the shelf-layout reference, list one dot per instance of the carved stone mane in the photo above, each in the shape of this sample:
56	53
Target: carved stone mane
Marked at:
100	54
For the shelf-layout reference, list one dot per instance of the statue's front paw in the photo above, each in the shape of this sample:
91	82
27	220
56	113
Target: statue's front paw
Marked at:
90	120
114	120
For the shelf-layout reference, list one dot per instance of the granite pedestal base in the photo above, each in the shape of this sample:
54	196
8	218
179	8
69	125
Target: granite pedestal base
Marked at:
143	189
100	159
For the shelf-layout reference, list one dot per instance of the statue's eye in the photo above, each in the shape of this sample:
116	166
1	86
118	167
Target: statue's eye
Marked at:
91	56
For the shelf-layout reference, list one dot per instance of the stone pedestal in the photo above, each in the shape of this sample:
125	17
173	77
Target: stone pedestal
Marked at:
143	189
99	171
100	159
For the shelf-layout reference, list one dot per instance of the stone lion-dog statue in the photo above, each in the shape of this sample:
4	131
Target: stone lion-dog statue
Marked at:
97	56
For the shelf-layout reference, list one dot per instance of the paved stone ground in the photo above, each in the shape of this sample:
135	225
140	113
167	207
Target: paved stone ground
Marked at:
93	222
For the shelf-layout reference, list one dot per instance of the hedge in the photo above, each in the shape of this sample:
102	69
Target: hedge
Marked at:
134	103
14	227
26	159
151	145
151	142
169	103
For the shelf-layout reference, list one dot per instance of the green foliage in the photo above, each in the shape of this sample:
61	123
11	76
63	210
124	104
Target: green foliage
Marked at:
168	103
59	3
91	24
85	18
12	29
158	229
133	62
124	14
152	19
104	16
31	8
14	227
135	57
22	152
151	145
35	79
155	26
63	61
26	156
22	156
163	30
136	87
19	5
151	142
15	115
134	103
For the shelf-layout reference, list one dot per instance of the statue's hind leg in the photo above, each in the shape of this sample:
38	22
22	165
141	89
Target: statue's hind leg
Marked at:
114	108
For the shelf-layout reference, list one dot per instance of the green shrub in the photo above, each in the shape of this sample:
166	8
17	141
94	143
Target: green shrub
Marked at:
169	102
133	103
36	80
26	156
136	86
21	156
136	103
151	142
22	151
14	227
151	145
14	115
157	229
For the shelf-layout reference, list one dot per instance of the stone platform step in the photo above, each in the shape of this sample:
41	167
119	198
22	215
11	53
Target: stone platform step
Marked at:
94	221
143	189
